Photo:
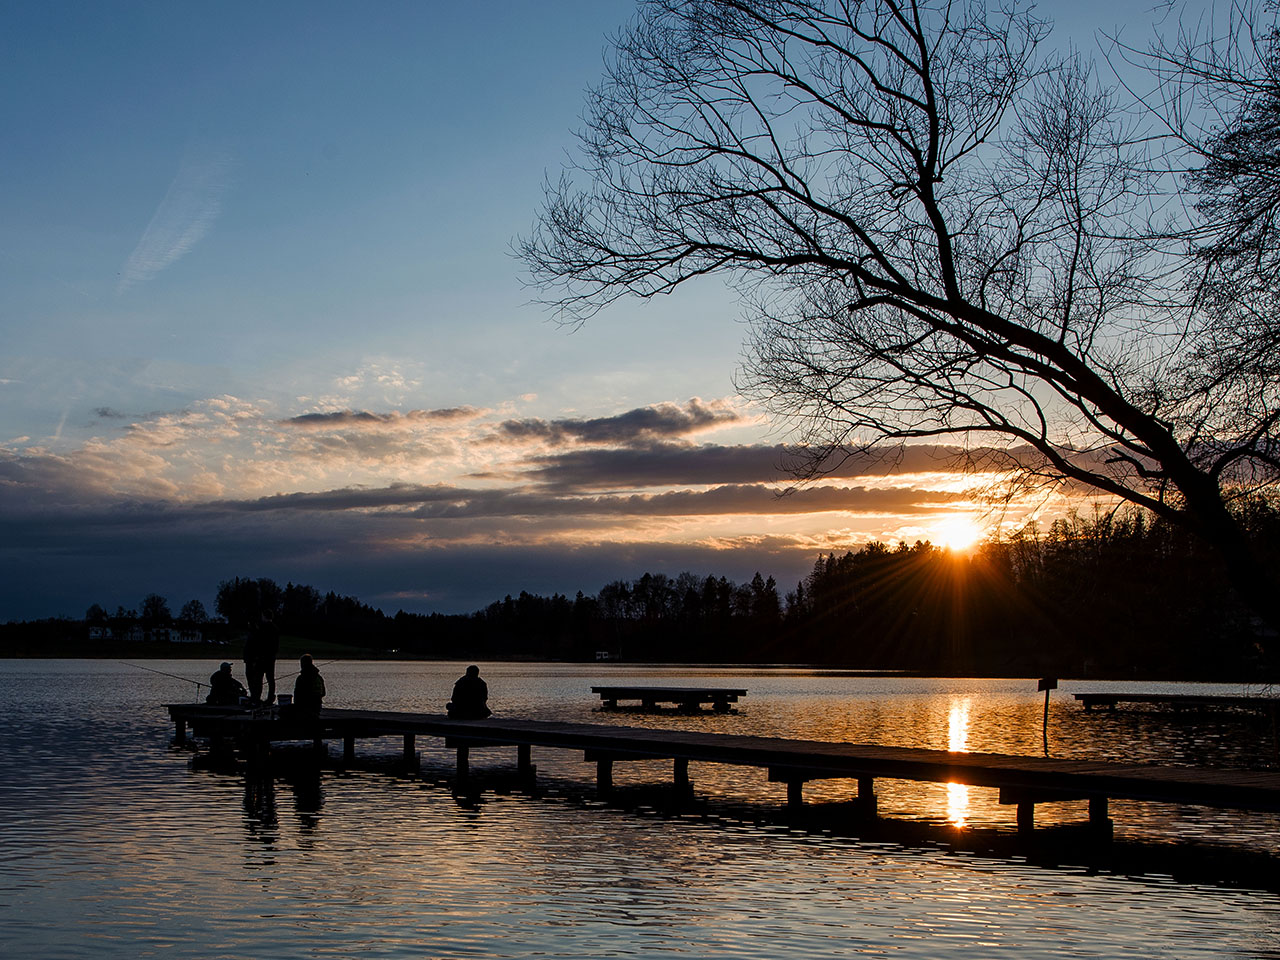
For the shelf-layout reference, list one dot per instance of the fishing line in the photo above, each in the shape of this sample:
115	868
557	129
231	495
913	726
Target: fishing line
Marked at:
172	676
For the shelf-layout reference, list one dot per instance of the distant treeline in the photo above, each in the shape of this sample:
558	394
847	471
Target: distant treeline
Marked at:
1108	594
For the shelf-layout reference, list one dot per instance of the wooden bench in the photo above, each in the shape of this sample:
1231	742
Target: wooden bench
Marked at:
685	699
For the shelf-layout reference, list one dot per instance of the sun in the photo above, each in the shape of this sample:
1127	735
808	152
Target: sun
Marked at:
958	532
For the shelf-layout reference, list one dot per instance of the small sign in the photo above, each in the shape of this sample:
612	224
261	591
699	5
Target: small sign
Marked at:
1048	683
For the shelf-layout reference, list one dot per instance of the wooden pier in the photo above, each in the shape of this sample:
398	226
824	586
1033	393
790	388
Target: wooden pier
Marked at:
686	699
1022	781
1179	701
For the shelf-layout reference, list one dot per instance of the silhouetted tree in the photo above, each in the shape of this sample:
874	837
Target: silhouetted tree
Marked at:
242	601
943	233
155	610
193	612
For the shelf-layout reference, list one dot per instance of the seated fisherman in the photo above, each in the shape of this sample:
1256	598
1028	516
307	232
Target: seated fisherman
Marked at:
308	689
470	697
224	689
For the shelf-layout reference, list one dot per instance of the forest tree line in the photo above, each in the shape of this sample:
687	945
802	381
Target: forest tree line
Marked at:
1104	594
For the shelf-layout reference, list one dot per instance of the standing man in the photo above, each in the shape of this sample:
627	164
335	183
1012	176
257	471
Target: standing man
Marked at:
260	649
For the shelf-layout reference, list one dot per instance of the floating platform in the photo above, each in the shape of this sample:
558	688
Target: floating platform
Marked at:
1180	701
686	699
1022	781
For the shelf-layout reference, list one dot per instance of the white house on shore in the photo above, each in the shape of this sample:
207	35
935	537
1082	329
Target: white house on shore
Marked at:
134	633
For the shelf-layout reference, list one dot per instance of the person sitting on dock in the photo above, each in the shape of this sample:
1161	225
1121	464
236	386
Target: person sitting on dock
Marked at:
308	689
470	697
224	689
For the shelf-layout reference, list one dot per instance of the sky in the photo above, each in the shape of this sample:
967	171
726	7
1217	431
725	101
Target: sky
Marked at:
260	316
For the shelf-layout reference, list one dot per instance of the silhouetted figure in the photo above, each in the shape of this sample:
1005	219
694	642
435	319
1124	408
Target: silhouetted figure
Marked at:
308	689
224	689
470	697
260	649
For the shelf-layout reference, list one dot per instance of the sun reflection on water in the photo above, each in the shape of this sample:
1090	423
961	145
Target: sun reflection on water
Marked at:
958	740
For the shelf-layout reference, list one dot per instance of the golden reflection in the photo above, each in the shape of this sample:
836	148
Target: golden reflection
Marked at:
958	740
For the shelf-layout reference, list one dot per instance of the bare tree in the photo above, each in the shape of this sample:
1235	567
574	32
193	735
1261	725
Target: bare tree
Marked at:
941	231
1218	96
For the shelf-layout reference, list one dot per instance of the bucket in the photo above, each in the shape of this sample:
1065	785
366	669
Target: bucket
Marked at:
285	699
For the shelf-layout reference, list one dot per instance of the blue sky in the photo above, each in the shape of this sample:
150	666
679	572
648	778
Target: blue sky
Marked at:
260	318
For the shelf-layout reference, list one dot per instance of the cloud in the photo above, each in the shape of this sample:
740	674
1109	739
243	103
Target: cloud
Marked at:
442	501
660	464
189	208
364	420
641	425
453	506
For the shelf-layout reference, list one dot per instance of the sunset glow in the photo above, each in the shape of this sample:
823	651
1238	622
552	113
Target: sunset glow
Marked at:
959	532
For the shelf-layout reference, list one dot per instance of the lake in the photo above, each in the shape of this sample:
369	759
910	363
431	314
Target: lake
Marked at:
113	845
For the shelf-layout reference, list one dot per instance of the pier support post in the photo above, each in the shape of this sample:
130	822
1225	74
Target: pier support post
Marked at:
1099	822
525	769
348	749
464	762
680	777
795	794
410	749
867	798
1026	818
180	732
604	777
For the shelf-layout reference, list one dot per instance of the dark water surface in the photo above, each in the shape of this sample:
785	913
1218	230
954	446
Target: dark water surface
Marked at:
112	845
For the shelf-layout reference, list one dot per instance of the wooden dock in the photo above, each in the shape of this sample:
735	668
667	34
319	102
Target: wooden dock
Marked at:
1179	701
1022	781
686	699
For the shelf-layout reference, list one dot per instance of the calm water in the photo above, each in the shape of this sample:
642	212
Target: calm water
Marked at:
111	845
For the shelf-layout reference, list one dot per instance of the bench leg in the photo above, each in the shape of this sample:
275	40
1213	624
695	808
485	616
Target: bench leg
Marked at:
410	753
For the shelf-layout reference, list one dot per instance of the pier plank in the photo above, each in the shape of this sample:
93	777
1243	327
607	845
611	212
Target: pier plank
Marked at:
789	760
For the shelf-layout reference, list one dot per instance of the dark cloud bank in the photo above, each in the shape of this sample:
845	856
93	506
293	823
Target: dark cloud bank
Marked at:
59	565
67	545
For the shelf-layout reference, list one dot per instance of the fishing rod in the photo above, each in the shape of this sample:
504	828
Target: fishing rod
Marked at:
172	676
324	663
